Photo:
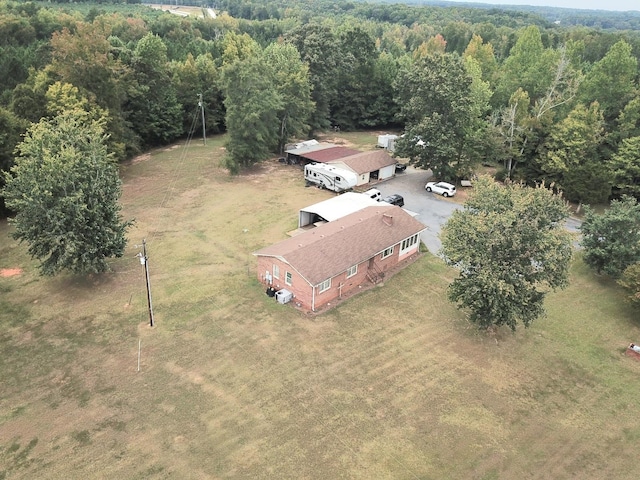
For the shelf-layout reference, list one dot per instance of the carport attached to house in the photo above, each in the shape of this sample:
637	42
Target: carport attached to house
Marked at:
334	208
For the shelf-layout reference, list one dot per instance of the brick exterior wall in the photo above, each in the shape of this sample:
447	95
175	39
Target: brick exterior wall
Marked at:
348	284
303	292
299	287
265	264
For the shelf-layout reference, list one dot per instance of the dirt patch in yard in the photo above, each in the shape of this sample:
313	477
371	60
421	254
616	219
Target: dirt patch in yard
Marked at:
10	272
139	158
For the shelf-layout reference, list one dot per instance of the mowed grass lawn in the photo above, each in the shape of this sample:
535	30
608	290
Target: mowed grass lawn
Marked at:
392	384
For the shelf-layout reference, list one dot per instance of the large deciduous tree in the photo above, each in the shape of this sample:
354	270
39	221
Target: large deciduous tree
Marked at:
64	190
252	102
382	110
195	77
611	81
529	66
611	240
524	124
267	97
630	281
320	49
11	127
237	47
512	126
152	108
628	122
83	58
437	106
626	167
479	145
510	247
571	158
291	80
355	77
483	54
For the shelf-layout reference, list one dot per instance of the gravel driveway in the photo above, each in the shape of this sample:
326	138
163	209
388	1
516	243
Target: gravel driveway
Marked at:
433	210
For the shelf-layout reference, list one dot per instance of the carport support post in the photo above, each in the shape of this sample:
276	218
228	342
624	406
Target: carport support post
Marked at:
145	263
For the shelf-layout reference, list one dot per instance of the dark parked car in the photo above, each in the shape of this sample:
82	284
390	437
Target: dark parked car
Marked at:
394	199
400	167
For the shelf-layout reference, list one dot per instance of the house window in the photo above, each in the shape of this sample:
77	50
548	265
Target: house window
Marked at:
352	271
386	253
287	278
324	286
409	242
276	271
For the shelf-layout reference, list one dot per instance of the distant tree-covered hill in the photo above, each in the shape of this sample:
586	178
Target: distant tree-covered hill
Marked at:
602	19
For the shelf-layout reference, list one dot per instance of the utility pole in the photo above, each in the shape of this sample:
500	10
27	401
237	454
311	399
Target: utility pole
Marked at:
144	260
201	105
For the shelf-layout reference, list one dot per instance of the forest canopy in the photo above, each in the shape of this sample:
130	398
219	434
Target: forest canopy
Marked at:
541	99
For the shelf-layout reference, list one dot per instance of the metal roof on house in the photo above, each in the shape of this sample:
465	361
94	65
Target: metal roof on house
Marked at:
304	149
365	162
332	248
330	154
340	206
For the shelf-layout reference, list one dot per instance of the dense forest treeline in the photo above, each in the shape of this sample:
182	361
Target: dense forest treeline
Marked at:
394	10
467	85
602	19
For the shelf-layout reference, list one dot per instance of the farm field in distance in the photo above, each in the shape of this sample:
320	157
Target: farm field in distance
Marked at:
181	10
393	383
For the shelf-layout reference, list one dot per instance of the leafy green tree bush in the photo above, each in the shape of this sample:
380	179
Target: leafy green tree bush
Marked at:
611	240
511	248
10	129
571	159
252	103
152	108
612	80
268	101
437	105
291	81
64	190
529	66
630	281
626	168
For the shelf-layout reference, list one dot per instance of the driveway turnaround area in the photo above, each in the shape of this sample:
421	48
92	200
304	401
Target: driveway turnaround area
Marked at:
434	210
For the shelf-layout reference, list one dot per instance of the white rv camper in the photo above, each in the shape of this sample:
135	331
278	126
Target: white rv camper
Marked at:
329	177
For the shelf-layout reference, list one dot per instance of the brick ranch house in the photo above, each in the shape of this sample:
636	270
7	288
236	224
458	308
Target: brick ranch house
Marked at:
331	260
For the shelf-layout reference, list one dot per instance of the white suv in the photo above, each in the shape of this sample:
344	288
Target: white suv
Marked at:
443	188
374	194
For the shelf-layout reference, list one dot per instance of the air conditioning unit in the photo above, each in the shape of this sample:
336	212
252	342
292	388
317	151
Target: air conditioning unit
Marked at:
284	296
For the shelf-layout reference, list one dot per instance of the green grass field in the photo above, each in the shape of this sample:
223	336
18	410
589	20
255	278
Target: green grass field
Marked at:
392	384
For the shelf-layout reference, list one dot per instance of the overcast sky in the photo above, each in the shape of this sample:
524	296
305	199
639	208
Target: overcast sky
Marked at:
619	5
